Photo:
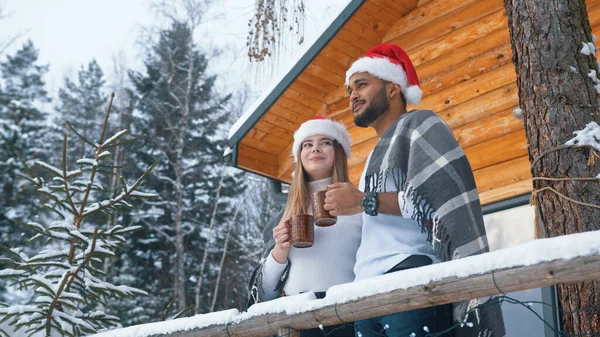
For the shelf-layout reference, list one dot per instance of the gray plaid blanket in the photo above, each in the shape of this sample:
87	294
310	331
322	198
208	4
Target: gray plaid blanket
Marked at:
433	171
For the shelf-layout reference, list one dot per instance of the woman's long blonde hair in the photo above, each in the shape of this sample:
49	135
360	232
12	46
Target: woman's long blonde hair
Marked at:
298	198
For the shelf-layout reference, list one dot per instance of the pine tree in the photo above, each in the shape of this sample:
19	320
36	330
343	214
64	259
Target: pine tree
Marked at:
187	119
66	275
82	103
22	133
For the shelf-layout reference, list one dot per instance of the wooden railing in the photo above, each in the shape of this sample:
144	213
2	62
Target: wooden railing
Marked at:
510	274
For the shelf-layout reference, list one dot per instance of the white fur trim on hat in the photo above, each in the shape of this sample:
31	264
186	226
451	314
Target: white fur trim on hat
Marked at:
328	127
384	69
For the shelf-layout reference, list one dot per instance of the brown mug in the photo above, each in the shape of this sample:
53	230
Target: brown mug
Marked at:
302	230
320	214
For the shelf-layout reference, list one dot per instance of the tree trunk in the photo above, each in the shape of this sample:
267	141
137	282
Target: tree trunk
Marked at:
179	288
179	249
112	219
207	247
114	182
557	97
184	104
226	297
231	224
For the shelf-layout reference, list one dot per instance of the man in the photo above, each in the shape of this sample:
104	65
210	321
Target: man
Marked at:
417	194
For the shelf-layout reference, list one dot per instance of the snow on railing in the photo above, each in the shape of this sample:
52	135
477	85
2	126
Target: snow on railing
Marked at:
535	264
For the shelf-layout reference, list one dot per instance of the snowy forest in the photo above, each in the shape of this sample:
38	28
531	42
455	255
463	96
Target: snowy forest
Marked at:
123	207
120	206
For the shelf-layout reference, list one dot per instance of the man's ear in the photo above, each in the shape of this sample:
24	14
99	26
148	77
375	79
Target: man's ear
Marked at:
393	90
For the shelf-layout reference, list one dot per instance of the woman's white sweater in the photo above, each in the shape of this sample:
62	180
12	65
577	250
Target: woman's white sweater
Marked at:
328	262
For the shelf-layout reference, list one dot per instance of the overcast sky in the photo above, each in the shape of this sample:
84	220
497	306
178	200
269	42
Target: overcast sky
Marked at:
70	33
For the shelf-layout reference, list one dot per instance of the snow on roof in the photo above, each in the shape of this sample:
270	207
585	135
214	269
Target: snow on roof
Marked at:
260	100
527	254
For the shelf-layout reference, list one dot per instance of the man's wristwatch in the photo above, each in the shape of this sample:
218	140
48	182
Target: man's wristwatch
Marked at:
369	203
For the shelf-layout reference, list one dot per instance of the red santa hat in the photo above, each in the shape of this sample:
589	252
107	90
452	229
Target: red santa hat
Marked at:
390	63
320	125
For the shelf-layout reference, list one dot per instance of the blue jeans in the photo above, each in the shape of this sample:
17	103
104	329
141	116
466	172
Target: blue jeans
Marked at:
403	324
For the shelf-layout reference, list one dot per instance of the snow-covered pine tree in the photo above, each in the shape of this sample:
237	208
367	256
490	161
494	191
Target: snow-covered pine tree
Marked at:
245	245
124	268
22	123
188	121
66	275
123	107
82	103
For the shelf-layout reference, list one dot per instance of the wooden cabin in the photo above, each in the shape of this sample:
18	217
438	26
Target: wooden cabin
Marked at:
462	54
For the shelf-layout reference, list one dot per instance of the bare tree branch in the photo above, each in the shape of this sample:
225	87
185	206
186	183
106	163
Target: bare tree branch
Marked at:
189	11
6	43
167	237
271	22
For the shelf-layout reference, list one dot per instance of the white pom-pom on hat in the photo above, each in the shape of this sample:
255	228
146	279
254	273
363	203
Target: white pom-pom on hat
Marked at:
320	125
391	63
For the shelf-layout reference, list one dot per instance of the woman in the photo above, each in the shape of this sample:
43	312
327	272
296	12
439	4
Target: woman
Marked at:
321	148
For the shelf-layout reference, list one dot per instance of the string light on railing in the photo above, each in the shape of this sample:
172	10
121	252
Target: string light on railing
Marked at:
504	298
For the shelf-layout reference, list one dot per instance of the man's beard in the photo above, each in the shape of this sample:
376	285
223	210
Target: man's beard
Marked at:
378	106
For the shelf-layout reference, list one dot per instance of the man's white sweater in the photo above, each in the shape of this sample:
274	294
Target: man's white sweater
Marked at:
328	262
389	239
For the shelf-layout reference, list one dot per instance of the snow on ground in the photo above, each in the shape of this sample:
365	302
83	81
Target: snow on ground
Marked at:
527	254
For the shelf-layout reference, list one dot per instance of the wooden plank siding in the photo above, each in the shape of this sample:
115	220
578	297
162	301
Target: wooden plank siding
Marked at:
462	53
442	26
423	15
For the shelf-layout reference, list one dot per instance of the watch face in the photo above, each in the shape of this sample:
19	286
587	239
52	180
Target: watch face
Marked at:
369	204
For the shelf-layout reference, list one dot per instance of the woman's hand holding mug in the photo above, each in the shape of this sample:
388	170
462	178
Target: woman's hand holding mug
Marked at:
282	236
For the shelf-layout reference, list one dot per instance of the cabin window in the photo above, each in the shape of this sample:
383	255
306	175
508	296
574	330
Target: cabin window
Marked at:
508	228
